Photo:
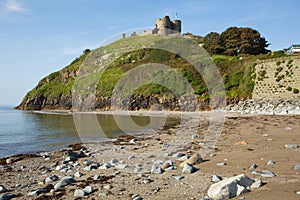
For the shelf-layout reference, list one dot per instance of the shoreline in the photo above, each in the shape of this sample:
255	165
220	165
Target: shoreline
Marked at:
245	140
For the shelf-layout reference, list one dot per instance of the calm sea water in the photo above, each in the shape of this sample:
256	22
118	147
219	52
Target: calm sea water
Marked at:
29	132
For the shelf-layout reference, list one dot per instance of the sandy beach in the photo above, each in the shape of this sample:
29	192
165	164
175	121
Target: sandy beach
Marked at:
125	167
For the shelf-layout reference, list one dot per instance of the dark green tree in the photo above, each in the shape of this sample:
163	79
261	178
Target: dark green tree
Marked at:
213	43
243	41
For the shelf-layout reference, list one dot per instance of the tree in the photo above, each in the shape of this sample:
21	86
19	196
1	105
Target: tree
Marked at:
213	43
243	41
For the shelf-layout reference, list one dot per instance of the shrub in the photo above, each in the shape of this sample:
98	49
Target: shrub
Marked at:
289	88
278	63
295	91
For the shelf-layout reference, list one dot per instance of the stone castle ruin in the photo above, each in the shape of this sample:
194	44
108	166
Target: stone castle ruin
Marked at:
163	26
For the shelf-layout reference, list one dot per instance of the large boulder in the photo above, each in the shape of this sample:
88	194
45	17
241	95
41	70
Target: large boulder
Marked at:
230	187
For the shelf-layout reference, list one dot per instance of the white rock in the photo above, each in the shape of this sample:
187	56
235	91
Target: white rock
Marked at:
256	184
79	193
78	174
230	187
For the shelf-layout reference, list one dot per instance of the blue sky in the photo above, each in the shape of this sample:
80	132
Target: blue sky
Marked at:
40	37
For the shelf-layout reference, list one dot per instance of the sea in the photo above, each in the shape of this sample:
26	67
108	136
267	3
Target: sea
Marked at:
24	132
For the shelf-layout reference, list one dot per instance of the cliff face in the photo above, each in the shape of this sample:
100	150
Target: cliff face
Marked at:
54	92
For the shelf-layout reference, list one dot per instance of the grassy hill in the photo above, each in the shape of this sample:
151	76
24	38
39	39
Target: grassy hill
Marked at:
55	90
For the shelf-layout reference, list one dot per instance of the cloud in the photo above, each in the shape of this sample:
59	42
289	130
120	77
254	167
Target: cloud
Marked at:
14	6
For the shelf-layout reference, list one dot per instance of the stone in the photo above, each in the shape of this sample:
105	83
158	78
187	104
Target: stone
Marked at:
297	167
230	187
156	169
291	146
131	157
105	166
121	166
188	168
253	166
3	189
298	192
79	193
107	187
64	181
264	173
114	161
88	190
216	178
177	178
51	178
37	192
178	154
170	168
132	141
287	128
137	197
270	162
96	177
221	164
7	196
167	164
195	159
183	158
102	194
265	135
78	174
258	183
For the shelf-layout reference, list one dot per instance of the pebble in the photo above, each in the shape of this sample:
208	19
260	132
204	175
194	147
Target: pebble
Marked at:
102	194
105	166
37	192
131	157
96	177
178	154
78	174
64	181
51	178
114	161
137	198
141	175
221	164
2	189
291	146
265	135
107	187
298	192
264	173
88	190
216	178
188	168
156	169
297	167
253	166
183	158
270	162
177	178
7	196
256	184
121	166
79	193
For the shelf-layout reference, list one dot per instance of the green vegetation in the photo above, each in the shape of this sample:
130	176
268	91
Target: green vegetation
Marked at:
236	41
295	91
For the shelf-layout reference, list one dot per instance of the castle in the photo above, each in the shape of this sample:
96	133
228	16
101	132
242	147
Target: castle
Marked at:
163	26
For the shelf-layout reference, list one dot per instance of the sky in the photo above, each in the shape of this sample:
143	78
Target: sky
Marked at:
39	37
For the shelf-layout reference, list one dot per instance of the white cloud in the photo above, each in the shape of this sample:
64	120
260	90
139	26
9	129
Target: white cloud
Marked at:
14	6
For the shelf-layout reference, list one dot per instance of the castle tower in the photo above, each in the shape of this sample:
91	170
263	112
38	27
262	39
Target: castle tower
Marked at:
164	26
